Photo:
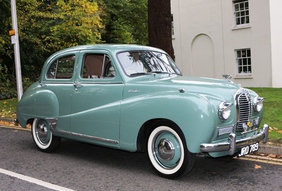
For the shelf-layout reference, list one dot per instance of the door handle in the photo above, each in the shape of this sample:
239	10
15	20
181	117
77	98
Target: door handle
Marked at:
77	85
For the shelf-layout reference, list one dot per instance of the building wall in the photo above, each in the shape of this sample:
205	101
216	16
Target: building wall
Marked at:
276	41
206	37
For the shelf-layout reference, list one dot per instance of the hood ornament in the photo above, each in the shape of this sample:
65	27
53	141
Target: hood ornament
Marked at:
227	77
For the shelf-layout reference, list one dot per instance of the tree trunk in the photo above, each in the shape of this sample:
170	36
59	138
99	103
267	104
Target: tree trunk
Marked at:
159	25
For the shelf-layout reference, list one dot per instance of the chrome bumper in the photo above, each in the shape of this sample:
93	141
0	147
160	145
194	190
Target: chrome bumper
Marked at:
234	144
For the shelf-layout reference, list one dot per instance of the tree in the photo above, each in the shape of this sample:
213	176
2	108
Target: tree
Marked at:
159	24
45	26
48	26
125	21
6	52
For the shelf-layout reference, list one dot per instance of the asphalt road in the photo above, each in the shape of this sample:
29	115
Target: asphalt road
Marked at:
80	166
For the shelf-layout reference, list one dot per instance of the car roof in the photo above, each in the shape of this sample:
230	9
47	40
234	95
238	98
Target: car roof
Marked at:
110	47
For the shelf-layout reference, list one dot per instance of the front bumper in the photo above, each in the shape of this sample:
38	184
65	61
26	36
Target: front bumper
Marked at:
234	144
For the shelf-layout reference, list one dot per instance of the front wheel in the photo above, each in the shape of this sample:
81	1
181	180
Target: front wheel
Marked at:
43	137
168	152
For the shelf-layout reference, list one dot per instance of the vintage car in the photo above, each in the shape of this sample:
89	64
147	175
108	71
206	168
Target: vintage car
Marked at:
134	98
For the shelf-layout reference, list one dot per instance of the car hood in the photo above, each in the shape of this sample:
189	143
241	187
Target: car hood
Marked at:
208	87
204	82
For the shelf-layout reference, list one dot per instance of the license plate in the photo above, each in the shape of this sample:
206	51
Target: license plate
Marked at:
248	149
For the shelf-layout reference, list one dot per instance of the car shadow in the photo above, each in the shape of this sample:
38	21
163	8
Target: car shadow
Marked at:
205	168
103	156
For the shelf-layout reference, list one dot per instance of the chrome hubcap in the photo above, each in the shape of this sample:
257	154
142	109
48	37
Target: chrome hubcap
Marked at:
42	132
166	150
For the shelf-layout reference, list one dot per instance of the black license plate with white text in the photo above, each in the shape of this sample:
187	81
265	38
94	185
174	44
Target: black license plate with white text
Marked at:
248	149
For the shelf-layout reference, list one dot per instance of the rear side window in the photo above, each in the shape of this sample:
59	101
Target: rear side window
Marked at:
97	66
62	68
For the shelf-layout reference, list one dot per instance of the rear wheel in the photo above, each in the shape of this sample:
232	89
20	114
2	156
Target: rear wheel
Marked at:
168	153
43	137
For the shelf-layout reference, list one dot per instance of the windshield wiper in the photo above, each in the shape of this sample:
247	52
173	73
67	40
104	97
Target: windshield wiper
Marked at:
137	74
160	72
149	73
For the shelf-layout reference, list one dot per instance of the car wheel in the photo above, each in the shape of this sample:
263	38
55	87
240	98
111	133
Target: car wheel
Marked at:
168	153
43	137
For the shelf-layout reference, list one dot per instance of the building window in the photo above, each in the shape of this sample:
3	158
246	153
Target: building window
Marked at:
244	61
241	11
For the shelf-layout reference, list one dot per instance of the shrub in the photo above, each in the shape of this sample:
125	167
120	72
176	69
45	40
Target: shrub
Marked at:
7	89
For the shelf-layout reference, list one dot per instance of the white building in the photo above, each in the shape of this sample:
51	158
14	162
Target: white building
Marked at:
242	38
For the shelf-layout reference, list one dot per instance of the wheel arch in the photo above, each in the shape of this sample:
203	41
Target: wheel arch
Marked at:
149	126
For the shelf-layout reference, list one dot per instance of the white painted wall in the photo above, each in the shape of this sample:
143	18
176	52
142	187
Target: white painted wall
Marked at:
276	41
205	39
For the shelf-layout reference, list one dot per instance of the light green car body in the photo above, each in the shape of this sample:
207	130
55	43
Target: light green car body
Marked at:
117	112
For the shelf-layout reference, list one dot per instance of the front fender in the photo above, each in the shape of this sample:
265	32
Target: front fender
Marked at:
37	104
194	115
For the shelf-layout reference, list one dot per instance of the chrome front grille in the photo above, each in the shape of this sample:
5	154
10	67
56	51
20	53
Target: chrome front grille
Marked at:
244	107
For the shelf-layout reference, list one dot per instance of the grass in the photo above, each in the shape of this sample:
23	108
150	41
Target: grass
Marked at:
272	111
8	108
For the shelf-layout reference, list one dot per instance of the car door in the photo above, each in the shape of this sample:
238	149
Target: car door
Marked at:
96	100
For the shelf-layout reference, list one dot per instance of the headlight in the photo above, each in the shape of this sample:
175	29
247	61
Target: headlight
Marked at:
258	104
224	110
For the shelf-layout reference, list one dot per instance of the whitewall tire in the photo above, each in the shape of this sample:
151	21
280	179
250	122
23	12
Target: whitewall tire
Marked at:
43	137
168	153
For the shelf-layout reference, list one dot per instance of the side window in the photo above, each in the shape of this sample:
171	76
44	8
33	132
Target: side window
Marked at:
62	68
244	63
97	66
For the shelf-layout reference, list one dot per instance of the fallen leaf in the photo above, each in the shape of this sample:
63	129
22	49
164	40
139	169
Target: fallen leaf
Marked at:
257	166
272	155
28	126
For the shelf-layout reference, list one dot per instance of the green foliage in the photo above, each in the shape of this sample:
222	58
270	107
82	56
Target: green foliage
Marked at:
6	84
6	52
55	25
125	21
77	22
45	26
8	87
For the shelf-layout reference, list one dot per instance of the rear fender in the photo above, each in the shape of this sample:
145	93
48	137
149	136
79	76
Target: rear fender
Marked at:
37	104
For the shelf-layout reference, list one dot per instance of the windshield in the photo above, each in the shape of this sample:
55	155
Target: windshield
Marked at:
136	63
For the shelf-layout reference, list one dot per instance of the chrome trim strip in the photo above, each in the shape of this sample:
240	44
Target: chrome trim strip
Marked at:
53	123
249	131
95	138
233	144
